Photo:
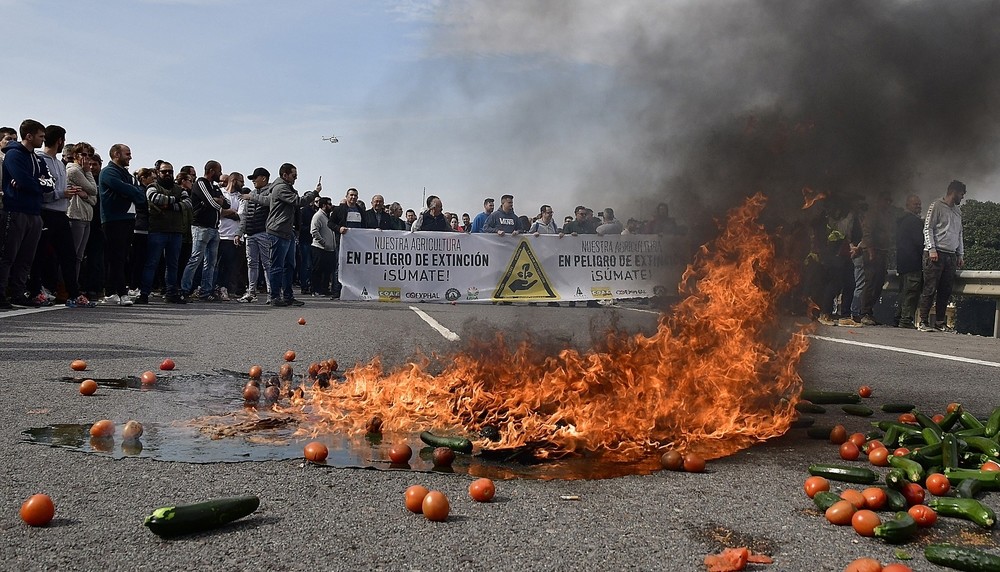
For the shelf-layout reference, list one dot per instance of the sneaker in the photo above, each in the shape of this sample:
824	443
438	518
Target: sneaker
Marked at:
112	300
294	302
923	327
42	300
48	295
176	299
125	301
869	321
278	303
826	320
134	293
943	327
906	325
209	298
224	294
247	298
142	299
850	323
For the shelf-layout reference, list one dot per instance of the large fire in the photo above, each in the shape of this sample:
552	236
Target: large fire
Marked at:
717	375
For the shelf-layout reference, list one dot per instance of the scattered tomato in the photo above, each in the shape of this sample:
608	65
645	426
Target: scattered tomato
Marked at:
272	393
289	355
901	452
849	451
896	567
838	435
814	485
482	490
78	365
990	466
251	393
435	506
953	406
443	457
332	363
923	514
103	428
858	439
914	494
415	498
313	369
937	484
286	371
400	453
840	513
88	387
854	497
672	461
315	451
938	418
907	418
132	430
694	463
875	498
864	522
148	378
167	364
256	371
38	510
865	391
302	321
864	565
879	457
873	444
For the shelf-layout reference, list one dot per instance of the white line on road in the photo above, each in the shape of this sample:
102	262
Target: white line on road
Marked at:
448	334
26	311
907	351
637	310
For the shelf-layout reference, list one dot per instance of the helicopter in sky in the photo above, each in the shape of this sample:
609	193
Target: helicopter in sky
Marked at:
331	139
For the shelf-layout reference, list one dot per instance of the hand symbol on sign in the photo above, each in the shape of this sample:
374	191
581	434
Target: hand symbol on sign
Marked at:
522	279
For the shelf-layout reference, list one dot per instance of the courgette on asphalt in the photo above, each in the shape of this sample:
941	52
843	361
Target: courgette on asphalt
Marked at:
803	422
810	408
859	475
968	488
969	509
914	470
899	530
825	499
983	445
950	419
819	431
989	480
969	421
859	410
894	500
897	407
961	558
190	518
830	397
993	423
949	451
459	444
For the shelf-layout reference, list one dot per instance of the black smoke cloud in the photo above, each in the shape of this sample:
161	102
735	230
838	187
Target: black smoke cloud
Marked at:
700	104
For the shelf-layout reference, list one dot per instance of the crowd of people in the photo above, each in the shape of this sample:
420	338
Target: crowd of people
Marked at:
851	243
77	231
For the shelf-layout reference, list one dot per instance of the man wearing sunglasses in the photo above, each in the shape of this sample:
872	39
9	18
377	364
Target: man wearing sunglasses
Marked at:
168	202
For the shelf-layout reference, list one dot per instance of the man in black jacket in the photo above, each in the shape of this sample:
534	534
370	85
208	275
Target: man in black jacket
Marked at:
253	228
377	217
209	206
909	267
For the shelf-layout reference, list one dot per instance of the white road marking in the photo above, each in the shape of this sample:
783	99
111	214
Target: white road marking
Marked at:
448	334
907	351
637	310
26	311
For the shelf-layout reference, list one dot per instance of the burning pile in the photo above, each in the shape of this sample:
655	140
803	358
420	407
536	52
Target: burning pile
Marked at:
713	379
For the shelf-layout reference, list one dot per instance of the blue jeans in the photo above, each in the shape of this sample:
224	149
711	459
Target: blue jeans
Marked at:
282	267
204	252
158	243
305	264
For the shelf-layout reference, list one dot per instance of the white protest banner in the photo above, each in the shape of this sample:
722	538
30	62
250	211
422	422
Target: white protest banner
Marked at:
402	266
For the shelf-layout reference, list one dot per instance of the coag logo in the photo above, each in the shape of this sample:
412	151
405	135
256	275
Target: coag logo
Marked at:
600	292
452	294
388	294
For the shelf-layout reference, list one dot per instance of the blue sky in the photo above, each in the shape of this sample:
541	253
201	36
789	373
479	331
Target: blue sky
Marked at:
554	101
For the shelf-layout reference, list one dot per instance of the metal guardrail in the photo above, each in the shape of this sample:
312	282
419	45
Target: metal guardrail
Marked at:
982	283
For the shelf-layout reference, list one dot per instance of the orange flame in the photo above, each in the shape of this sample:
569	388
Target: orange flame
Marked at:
711	379
810	197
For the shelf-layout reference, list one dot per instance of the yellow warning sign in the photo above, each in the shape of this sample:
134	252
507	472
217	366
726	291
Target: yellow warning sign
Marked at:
524	278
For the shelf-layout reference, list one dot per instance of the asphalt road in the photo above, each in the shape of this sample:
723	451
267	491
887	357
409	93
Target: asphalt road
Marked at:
350	519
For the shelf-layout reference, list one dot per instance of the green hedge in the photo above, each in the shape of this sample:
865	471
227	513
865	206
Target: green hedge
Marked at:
981	226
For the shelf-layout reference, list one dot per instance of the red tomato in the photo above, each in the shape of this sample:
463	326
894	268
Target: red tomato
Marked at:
435	506
103	428
88	387
938	418
255	372
289	355
316	452
953	406
864	565
989	466
854	497
251	393
148	378
873	444
443	457
937	484
858	439
875	498
864	522
672	461
482	490
78	365
914	494
838	435
302	321
849	451
38	510
814	485
896	567
400	453
865	391
167	364
923	514
840	513
415	498
694	463
901	452
879	457
907	418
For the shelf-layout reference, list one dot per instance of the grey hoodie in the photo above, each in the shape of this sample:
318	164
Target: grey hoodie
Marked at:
943	228
284	202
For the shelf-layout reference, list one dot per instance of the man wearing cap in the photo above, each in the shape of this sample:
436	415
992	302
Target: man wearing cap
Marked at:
253	227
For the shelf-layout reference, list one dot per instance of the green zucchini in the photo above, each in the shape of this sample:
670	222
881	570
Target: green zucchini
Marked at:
927	423
974	432
891	437
984	445
894	500
969	421
949	451
810	408
961	558
843	473
819	431
968	488
969	509
830	397
897	407
931	454
990	480
930	436
803	422
903	428
950	419
896	479
859	410
825	499
459	444
899	530
189	518
914	471
993	423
